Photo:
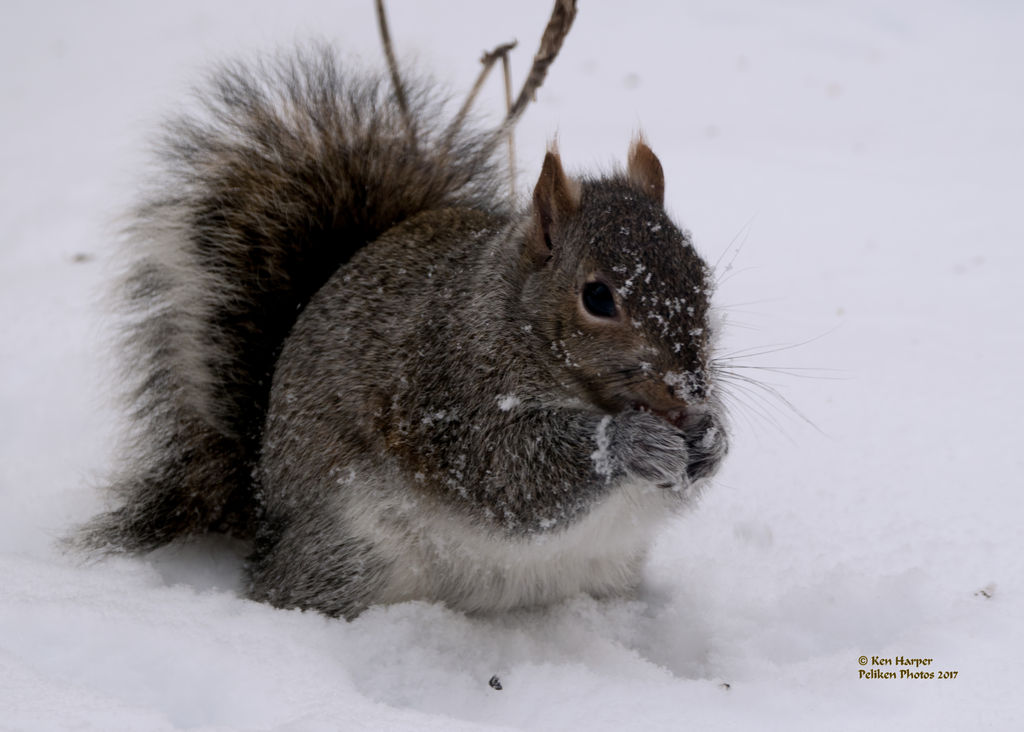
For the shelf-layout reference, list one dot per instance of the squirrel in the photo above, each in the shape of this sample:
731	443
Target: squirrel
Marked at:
352	349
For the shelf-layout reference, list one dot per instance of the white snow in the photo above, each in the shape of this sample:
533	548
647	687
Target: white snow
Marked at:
508	402
601	456
853	172
685	383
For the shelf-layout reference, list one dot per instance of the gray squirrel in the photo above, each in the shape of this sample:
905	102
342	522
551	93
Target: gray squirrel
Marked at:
351	349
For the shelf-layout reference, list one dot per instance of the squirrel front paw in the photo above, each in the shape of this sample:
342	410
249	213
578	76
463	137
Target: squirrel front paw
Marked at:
706	435
651	448
642	445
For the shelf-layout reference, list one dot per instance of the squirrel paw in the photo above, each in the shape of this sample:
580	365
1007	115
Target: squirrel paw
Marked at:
651	448
708	441
647	447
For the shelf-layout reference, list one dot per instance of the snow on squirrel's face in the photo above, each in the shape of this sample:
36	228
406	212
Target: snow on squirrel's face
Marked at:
632	316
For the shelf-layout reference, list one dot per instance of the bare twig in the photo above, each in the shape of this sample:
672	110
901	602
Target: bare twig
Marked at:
507	68
488	60
396	79
551	41
550	44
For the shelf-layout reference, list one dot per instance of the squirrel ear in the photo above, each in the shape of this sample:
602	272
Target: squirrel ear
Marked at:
644	170
555	198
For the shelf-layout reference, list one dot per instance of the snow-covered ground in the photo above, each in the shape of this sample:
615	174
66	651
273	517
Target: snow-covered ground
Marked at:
856	170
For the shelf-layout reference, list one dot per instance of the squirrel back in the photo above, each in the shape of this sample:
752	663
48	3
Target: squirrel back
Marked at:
290	167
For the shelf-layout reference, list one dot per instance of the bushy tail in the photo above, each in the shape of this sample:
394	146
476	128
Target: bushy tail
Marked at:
290	167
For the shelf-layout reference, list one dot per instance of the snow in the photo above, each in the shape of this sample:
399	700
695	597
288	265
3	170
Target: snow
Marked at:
508	402
852	170
601	457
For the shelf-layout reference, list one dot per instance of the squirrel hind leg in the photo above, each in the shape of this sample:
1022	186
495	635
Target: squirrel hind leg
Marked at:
291	569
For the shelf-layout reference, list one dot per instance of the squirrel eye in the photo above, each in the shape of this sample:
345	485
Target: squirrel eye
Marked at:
598	300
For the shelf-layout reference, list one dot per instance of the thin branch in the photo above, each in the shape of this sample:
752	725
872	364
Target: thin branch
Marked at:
551	43
488	60
507	67
558	26
396	79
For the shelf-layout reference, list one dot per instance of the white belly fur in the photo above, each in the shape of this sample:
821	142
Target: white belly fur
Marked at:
436	556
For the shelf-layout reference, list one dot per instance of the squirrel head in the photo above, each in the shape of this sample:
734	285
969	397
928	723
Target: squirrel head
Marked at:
618	290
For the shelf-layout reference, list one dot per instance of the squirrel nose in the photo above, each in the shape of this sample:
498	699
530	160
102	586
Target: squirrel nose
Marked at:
680	396
664	398
687	387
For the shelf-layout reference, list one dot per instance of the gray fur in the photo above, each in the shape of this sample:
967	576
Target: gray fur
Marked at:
443	420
